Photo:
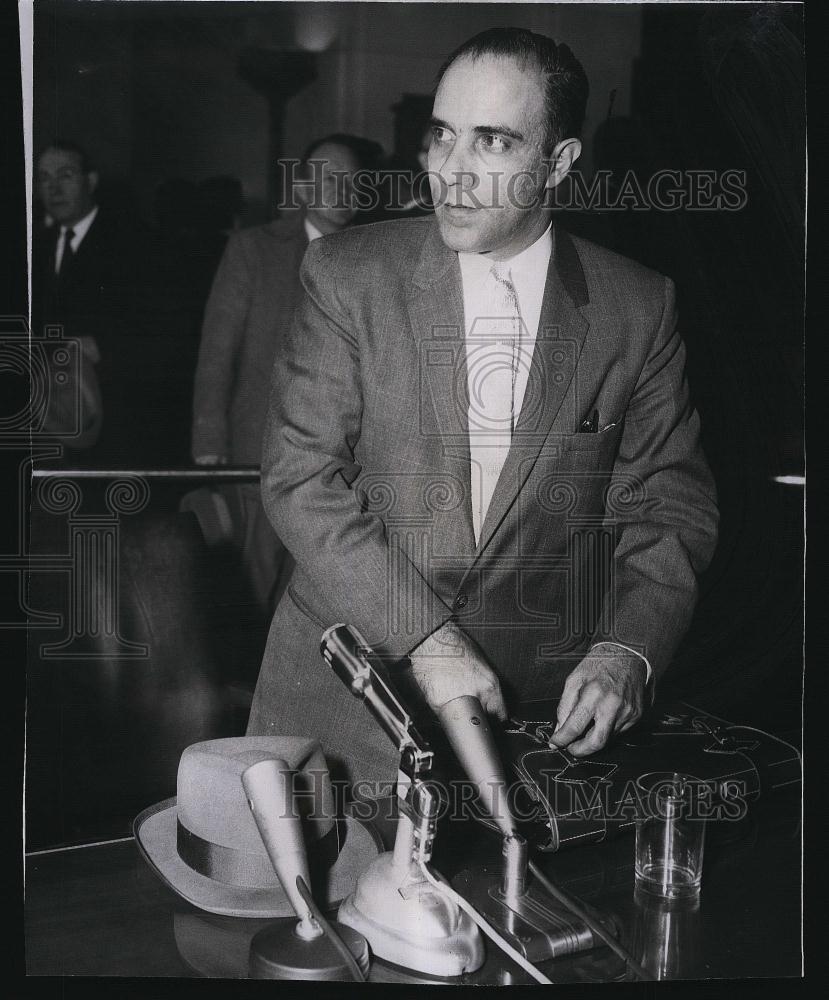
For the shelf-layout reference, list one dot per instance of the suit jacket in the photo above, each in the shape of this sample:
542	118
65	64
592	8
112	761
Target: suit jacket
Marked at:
251	302
96	294
366	478
100	294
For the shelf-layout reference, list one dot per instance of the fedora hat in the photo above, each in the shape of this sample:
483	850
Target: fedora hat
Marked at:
205	845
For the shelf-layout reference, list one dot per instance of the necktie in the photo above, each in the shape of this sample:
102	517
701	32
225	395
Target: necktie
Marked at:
68	253
492	356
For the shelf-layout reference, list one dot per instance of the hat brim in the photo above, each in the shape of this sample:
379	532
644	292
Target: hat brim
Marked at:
155	833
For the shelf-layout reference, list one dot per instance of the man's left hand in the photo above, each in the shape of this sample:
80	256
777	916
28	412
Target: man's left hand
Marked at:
607	690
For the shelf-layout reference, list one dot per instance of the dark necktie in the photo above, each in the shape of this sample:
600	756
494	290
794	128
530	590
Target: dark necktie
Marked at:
68	254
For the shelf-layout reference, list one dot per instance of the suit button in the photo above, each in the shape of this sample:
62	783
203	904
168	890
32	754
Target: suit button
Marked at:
461	602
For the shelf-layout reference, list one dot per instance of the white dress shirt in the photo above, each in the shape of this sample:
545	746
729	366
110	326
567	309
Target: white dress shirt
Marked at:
528	271
79	229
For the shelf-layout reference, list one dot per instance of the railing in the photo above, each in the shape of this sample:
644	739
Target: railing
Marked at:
92	552
211	473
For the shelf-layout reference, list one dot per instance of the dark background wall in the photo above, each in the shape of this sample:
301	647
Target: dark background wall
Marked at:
155	90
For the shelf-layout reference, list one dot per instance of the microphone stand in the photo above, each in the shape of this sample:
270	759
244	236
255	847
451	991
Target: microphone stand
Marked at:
406	919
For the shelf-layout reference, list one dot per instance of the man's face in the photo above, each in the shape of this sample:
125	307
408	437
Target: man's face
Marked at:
65	190
487	159
330	201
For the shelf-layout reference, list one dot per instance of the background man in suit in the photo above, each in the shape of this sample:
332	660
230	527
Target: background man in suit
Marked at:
252	300
84	279
469	412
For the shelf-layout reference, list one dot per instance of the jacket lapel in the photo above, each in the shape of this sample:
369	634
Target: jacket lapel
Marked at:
435	306
88	247
43	263
561	332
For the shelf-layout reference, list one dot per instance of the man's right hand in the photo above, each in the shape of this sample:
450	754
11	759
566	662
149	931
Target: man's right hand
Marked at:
211	460
448	664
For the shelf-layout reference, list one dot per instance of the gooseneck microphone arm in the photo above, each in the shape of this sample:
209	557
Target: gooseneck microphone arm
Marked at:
346	652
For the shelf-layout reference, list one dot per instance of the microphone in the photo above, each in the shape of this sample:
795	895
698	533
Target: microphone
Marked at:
533	916
346	652
465	724
467	728
268	788
312	948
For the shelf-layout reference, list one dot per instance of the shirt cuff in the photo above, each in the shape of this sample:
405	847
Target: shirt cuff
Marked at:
635	653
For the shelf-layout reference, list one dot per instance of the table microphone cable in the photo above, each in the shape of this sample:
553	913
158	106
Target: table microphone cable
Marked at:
330	933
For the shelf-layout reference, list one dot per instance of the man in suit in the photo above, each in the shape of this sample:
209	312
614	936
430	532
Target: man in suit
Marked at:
481	450
252	300
84	280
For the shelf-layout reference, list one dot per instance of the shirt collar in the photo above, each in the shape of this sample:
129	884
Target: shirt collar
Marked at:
81	227
311	230
532	260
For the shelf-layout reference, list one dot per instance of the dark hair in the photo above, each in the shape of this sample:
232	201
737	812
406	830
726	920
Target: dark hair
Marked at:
67	146
565	82
369	154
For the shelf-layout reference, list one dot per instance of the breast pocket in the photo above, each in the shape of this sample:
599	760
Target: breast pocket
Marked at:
570	481
587	441
599	446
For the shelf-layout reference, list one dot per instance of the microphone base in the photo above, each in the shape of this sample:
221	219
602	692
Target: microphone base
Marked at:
534	923
410	923
278	952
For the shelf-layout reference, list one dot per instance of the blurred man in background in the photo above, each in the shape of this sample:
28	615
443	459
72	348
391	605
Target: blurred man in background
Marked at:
84	280
251	303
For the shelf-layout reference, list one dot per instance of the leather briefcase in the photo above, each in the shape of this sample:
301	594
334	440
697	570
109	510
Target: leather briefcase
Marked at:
561	800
